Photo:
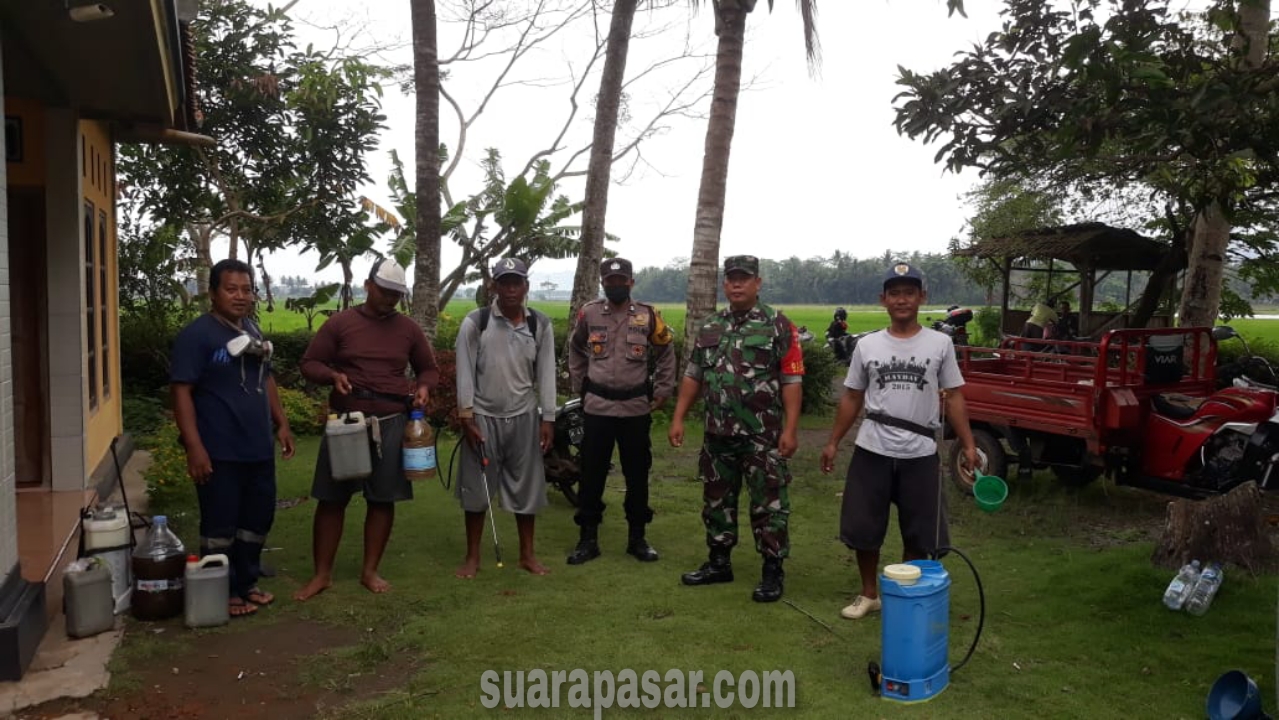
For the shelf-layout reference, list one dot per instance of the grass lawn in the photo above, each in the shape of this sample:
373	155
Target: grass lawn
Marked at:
1074	625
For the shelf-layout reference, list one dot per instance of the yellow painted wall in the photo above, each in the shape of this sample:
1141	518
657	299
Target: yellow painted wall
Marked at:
97	181
29	172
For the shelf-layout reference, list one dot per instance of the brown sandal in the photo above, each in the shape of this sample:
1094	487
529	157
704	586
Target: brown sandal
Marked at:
238	607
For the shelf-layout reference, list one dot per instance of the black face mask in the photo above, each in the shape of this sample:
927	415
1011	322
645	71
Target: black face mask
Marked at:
617	294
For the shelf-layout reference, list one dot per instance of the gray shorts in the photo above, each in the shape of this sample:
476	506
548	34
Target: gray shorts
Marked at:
387	483
516	478
873	482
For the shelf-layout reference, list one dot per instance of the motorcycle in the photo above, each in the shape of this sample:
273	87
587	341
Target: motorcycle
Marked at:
955	324
563	462
1221	441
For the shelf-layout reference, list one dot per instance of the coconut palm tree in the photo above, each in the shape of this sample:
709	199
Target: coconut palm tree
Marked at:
607	103
426	81
730	28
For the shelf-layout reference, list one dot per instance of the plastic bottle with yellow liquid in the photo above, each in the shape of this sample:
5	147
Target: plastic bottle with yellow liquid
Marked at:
419	447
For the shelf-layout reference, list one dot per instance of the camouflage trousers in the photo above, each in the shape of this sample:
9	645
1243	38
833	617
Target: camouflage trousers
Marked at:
724	466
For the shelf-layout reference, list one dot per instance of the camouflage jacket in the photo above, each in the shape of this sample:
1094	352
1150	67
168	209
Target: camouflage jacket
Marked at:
742	363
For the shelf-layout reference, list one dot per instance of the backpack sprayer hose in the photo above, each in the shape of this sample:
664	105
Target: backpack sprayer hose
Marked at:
937	554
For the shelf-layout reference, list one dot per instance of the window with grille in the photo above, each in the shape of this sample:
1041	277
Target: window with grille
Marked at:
90	302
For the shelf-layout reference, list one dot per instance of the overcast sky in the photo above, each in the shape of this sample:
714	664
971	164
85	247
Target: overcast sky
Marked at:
816	166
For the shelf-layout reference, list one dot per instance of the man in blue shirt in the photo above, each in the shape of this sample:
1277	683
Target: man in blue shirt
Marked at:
224	400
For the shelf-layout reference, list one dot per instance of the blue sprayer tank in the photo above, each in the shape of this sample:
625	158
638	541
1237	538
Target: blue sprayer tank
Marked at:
916	630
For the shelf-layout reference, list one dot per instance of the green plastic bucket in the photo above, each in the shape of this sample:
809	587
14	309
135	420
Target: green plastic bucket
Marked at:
989	491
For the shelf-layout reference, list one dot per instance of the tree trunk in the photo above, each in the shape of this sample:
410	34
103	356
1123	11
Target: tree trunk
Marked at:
346	293
201	235
1253	33
1201	297
586	281
426	83
1228	528
730	25
1165	272
265	278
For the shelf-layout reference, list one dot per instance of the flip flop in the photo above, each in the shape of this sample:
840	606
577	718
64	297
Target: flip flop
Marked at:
259	598
239	608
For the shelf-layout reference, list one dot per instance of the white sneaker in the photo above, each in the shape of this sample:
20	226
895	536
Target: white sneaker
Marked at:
861	607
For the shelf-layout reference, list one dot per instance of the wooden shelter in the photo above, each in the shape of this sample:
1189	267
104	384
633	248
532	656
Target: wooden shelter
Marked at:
1094	251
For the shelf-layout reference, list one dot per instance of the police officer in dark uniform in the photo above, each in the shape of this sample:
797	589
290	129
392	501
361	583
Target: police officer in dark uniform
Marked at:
608	363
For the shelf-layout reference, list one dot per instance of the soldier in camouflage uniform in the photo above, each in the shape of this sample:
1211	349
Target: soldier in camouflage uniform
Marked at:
748	367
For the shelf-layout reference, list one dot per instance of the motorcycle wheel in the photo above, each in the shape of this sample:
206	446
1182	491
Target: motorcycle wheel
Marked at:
569	489
564	471
990	451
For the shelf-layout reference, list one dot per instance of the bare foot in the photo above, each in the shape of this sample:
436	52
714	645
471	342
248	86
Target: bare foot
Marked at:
533	566
317	585
468	568
375	584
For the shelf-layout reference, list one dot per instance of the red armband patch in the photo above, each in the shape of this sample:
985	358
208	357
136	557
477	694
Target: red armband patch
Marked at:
793	362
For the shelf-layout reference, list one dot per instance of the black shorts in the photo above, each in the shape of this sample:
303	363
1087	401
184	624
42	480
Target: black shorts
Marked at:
911	484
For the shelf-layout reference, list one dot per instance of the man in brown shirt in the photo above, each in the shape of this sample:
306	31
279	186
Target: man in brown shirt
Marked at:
609	351
364	353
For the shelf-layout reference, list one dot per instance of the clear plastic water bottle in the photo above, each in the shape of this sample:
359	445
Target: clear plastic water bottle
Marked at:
1181	586
419	447
1205	590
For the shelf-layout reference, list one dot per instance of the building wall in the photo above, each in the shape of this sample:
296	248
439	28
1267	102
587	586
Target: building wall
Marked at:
8	484
64	202
30	113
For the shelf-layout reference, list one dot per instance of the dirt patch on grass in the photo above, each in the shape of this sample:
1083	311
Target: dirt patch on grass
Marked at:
283	670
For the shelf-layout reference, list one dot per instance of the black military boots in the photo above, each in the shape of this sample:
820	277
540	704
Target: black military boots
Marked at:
637	546
770	584
718	570
588	546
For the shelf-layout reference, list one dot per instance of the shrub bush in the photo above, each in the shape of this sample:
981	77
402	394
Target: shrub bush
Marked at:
304	411
820	370
145	344
286	358
441	411
143	414
446	329
169	489
987	321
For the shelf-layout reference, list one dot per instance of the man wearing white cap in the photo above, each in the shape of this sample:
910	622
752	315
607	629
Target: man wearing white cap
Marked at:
363	353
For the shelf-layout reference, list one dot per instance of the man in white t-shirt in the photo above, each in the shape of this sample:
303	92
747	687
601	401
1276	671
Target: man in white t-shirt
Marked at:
900	375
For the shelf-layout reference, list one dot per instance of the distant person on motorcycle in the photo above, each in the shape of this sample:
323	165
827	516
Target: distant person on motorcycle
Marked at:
839	326
897	375
506	402
609	352
836	332
748	367
1038	326
1067	325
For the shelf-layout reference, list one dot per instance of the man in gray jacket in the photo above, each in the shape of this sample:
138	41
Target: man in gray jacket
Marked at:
506	403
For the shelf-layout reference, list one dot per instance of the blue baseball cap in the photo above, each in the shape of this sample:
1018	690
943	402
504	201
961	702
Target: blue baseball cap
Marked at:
903	271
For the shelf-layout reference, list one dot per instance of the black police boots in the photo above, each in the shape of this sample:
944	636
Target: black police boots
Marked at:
636	544
718	570
770	585
588	546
